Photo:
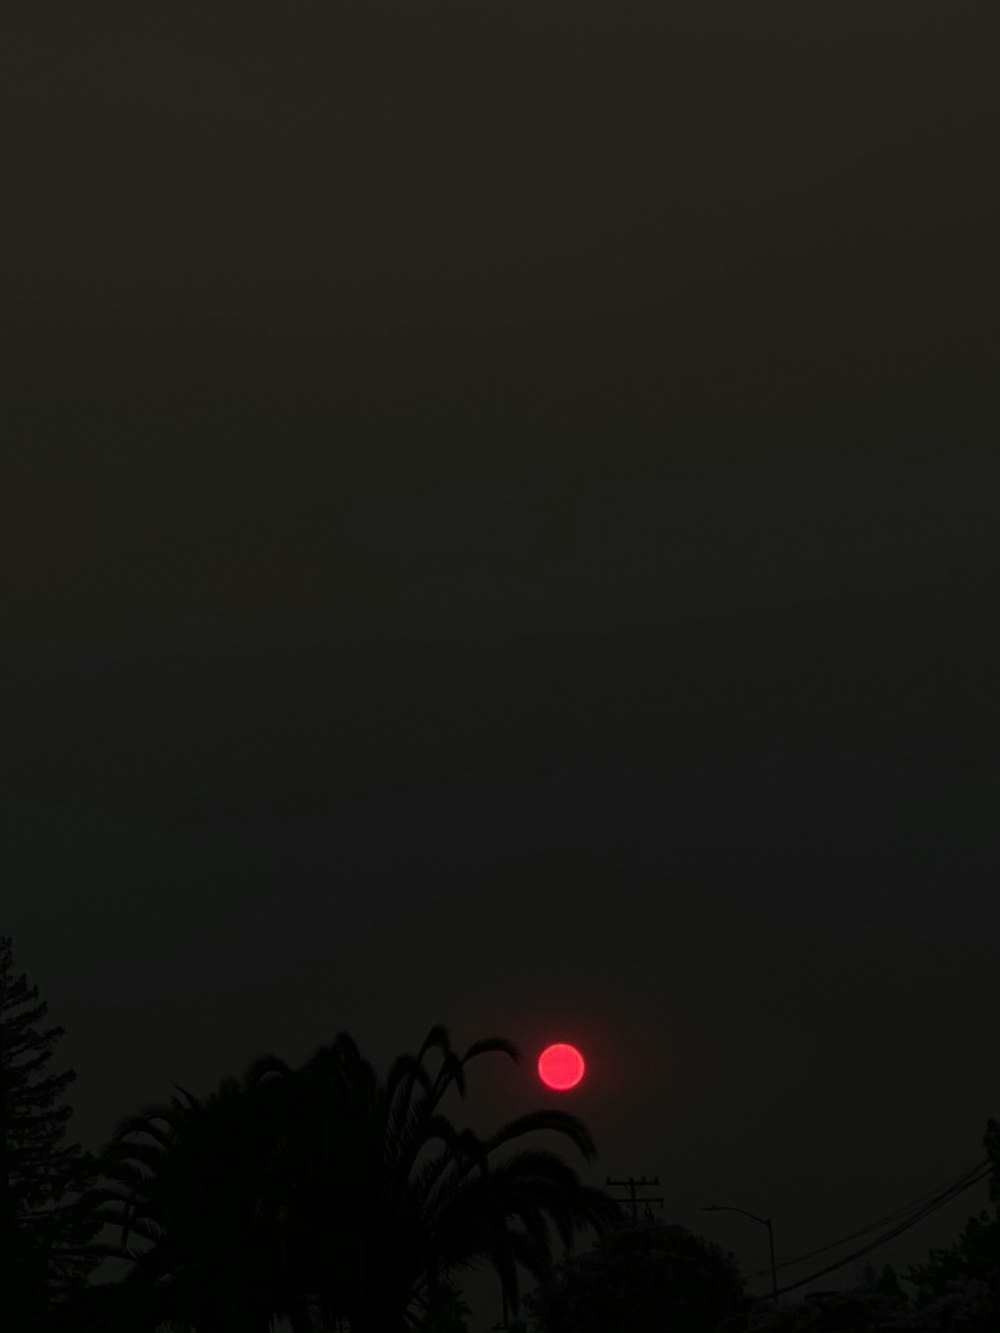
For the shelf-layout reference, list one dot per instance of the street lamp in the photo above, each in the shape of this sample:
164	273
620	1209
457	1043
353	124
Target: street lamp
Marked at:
764	1221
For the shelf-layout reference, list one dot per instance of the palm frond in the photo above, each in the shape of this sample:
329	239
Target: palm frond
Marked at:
562	1122
262	1065
411	1067
398	1110
451	1070
193	1103
464	1150
144	1122
488	1044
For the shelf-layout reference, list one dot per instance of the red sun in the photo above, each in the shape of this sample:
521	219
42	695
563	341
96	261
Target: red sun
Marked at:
560	1066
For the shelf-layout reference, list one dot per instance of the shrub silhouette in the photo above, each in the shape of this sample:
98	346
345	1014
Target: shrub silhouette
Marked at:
645	1277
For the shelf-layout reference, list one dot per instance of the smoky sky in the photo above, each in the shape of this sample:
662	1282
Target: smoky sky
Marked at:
497	526
575	207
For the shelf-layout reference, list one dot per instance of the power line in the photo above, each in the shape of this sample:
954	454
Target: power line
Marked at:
945	1197
957	1186
896	1231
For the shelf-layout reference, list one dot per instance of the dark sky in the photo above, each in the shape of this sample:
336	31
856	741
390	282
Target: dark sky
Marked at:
498	519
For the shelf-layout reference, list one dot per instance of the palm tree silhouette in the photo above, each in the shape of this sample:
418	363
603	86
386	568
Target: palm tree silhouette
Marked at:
297	1191
196	1196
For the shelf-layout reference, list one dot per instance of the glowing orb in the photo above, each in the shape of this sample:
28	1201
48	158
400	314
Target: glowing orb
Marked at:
560	1066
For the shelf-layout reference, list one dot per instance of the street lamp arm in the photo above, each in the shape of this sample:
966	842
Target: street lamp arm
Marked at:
728	1208
764	1221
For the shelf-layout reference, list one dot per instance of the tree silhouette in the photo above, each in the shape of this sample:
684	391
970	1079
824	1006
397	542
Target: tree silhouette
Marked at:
885	1283
292	1191
957	1289
975	1257
645	1277
45	1229
447	1311
191	1214
869	1307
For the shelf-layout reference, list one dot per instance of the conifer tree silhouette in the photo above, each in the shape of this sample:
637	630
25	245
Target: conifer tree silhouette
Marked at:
45	1229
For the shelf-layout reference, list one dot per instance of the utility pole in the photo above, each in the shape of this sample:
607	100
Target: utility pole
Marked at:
632	1185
